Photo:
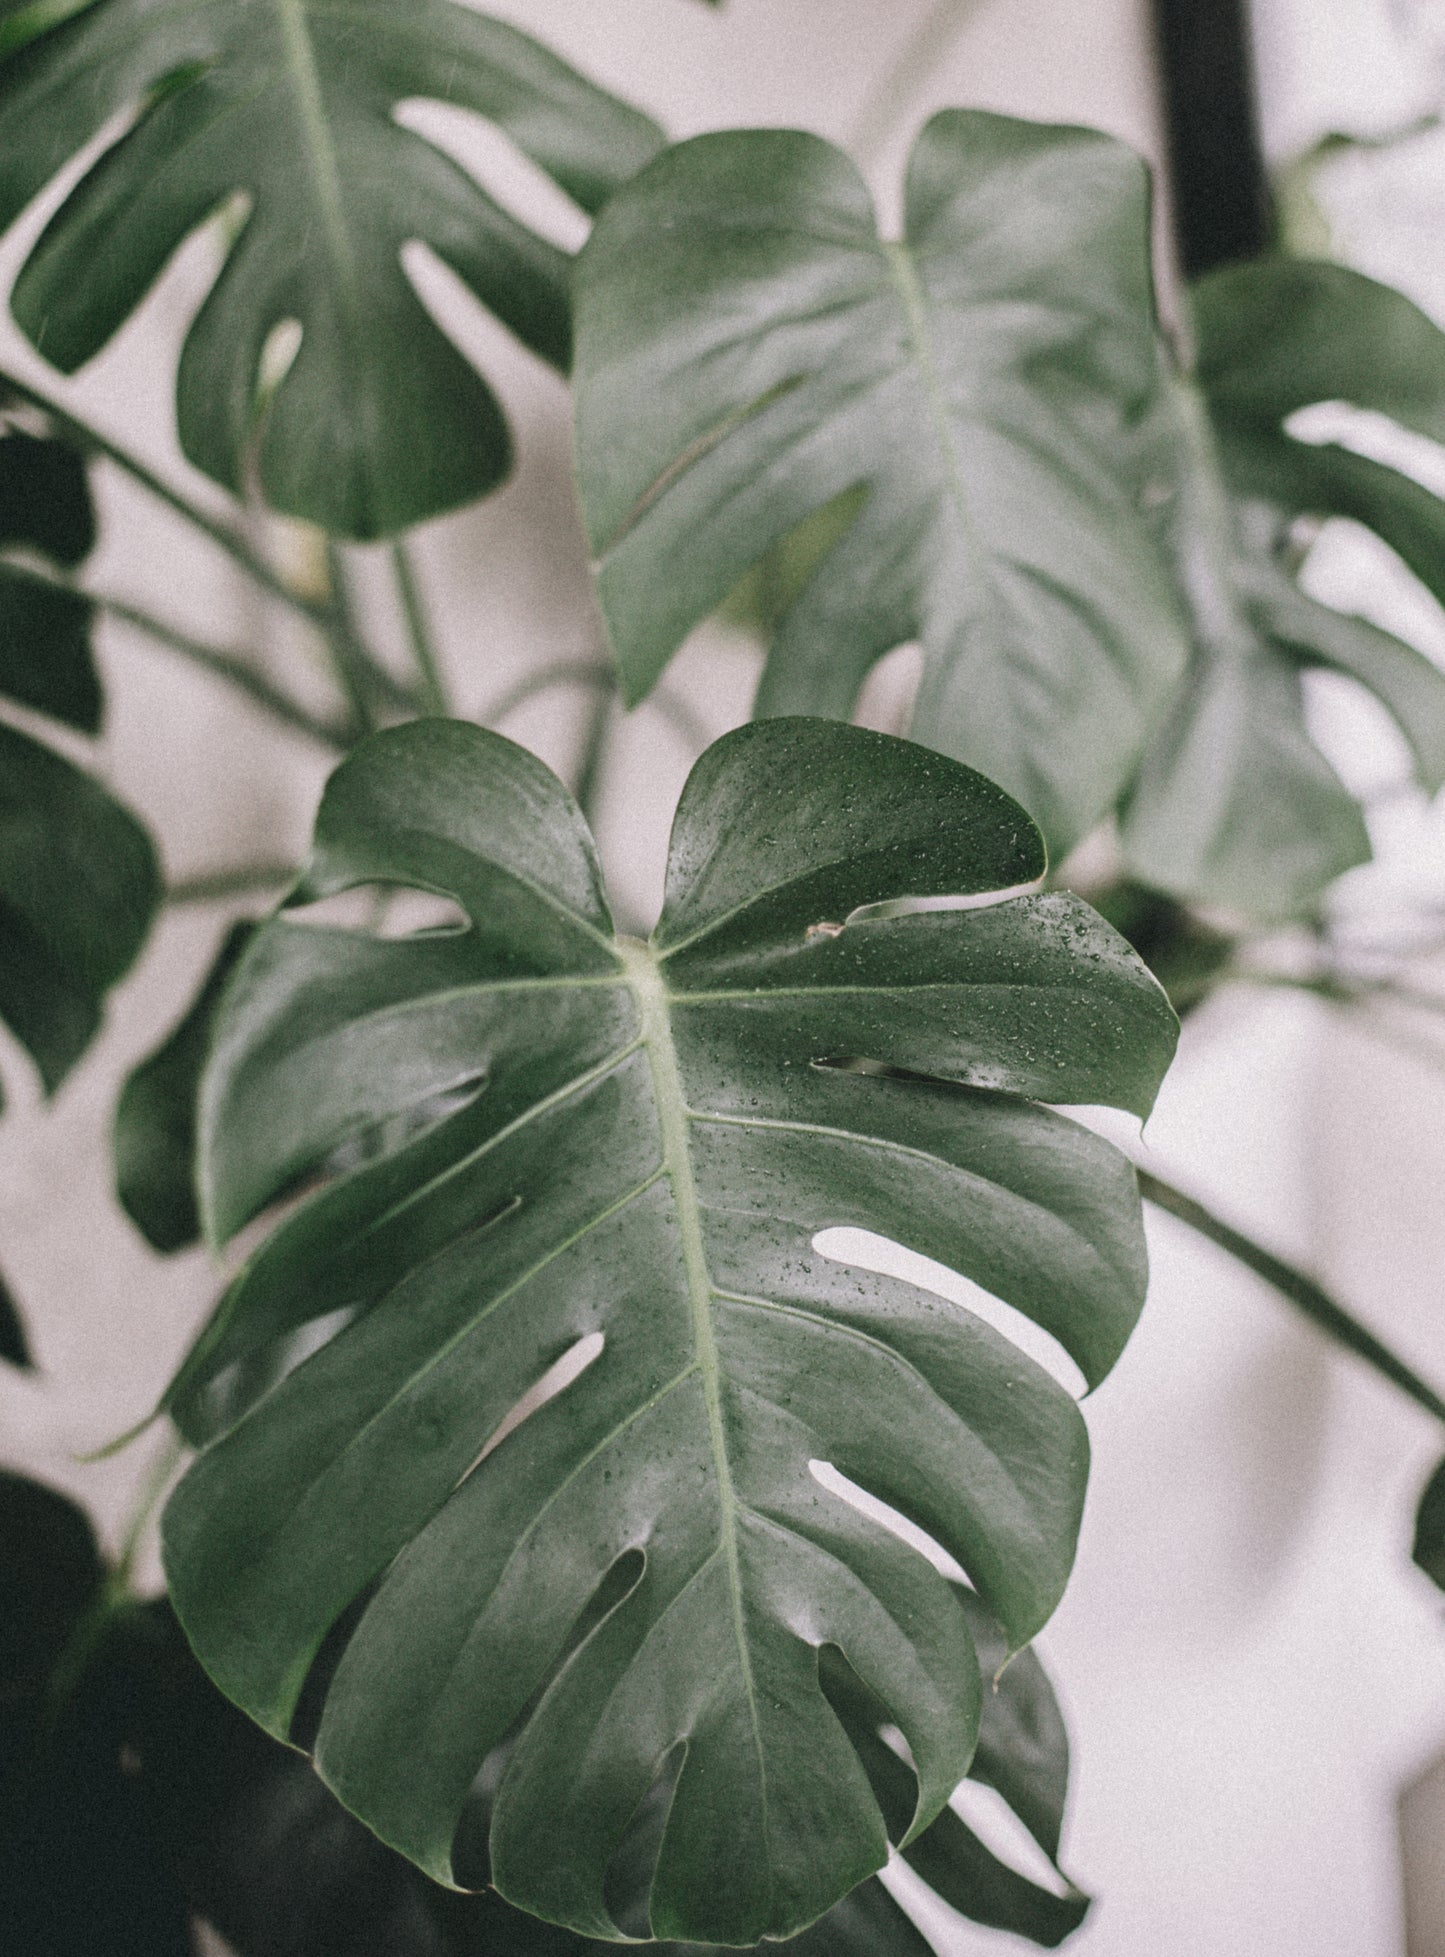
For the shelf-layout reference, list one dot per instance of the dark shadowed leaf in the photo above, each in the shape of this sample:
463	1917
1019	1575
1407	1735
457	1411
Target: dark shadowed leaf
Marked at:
633	1147
750	351
78	880
134	1794
14	1346
269	1856
81	1868
78	888
1429	1547
155	1119
290	106
45	656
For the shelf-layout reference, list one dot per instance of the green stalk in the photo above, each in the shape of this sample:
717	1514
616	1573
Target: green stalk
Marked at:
234	668
1297	1286
220	534
892	97
433	688
245	880
594	750
596	673
354	668
564	672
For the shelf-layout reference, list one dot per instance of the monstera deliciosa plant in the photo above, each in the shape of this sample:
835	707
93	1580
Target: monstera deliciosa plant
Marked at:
602	1548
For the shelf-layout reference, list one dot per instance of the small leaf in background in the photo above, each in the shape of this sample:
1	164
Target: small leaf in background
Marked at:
14	1347
750	352
631	1153
155	1119
1234	804
379	421
45	653
79	886
1429	1546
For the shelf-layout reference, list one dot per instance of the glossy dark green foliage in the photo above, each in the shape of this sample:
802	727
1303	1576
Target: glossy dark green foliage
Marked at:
135	1798
1429	1546
290	104
593	1137
81	1868
79	885
1235	804
78	877
749	351
155	1118
45	655
14	1346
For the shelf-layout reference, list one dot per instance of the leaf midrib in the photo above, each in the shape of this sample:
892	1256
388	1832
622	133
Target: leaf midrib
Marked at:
653	1001
316	140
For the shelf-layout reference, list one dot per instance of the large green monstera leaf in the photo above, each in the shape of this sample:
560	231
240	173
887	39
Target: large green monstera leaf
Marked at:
291	105
596	1148
1234	803
750	351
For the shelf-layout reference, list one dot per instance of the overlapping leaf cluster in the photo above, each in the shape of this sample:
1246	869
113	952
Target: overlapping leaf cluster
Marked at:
78	877
637	1146
973	438
632	1658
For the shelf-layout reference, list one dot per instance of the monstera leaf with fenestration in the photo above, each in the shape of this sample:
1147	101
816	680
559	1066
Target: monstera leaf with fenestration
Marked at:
1234	803
291	105
597	1142
750	351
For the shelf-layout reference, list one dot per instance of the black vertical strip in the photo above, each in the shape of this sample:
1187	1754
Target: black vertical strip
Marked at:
1222	208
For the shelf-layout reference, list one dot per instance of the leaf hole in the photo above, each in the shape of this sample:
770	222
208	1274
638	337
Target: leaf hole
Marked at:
311	1700
1364	431
973	900
558	1377
627	1884
989	1816
887	696
278	357
888	1517
388	911
471	1855
866	1720
215	1407
491	159
867	1251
